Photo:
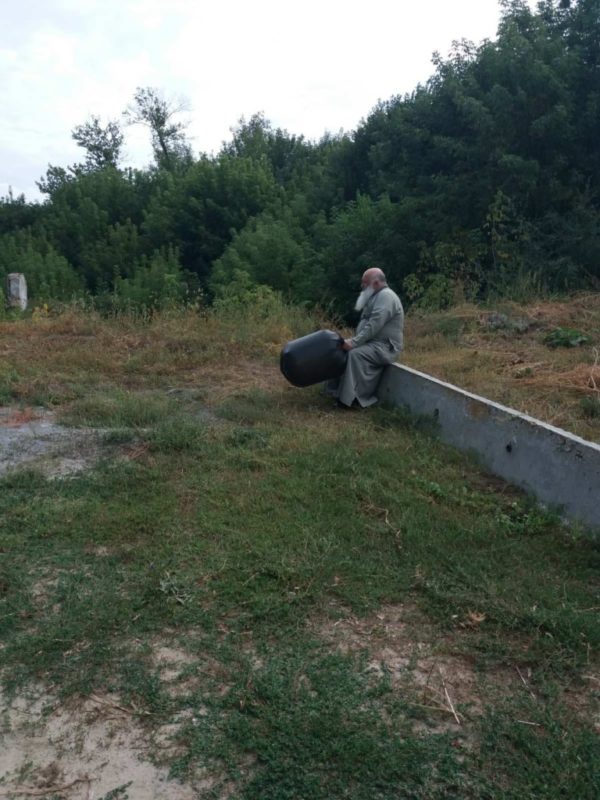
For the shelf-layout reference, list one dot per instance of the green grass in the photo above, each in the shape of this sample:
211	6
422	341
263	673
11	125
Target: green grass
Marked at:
236	538
117	409
178	433
313	728
8	379
248	407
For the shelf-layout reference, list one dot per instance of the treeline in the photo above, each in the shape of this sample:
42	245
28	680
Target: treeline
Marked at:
483	181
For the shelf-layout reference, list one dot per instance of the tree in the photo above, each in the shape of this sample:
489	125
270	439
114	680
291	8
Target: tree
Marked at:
272	252
201	208
156	282
257	139
102	144
16	212
56	178
49	275
151	109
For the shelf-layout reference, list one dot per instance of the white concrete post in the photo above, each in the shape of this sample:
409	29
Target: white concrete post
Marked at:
17	290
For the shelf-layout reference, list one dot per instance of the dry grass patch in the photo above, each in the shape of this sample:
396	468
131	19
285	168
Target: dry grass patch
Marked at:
503	356
446	692
16	417
216	382
52	359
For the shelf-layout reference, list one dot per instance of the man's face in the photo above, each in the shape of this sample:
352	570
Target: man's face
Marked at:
370	281
365	294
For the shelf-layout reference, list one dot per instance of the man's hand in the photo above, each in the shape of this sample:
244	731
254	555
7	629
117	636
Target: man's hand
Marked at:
347	345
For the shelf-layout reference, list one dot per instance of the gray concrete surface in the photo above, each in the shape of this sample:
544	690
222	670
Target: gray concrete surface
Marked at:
36	441
560	469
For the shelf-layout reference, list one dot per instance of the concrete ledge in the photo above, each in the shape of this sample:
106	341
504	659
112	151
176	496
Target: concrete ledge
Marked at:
560	469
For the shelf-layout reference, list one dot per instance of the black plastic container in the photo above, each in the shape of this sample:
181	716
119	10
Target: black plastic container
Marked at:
314	358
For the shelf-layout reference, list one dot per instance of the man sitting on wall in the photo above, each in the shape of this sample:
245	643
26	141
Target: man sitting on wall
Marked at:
377	342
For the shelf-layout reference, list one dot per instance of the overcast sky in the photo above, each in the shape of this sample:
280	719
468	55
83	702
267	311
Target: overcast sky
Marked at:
311	66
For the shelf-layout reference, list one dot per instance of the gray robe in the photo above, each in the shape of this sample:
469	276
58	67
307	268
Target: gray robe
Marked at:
377	342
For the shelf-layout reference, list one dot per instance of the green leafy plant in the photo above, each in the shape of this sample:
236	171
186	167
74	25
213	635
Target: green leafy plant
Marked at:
590	406
565	337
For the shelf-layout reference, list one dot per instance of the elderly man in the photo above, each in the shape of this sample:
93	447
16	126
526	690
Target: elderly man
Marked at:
376	343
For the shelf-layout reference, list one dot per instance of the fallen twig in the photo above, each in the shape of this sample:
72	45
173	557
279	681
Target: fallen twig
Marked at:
384	512
443	709
596	352
525	722
450	703
124	709
47	791
107	703
592	678
525	684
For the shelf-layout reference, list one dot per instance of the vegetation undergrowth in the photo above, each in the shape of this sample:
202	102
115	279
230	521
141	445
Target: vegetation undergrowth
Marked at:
319	570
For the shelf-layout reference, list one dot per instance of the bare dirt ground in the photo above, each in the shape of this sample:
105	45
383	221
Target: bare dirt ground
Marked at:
89	748
97	747
31	437
85	750
402	645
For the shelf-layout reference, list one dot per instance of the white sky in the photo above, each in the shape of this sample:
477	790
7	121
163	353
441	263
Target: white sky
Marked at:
311	66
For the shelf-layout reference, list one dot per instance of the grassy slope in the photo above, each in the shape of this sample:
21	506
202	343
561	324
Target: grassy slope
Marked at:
319	569
513	366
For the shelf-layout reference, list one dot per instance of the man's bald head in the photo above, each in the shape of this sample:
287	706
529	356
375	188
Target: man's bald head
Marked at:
371	282
373	277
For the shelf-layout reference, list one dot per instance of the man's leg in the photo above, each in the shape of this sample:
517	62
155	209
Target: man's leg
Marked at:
363	372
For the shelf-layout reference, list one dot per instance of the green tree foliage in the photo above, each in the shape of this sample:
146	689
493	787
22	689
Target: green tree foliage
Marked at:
49	275
202	208
16	213
271	252
364	233
156	282
102	144
94	221
151	109
55	179
256	139
483	180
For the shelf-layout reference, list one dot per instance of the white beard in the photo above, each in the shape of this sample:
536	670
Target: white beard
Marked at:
363	298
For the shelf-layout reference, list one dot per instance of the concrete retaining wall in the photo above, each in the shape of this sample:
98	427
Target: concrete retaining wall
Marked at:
560	469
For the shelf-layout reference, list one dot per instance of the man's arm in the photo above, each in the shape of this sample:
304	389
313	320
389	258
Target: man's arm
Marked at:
381	313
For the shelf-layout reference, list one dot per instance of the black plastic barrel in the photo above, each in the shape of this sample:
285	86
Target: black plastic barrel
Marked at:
314	358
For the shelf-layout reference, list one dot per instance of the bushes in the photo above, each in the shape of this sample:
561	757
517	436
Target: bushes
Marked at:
49	276
156	283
